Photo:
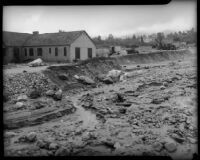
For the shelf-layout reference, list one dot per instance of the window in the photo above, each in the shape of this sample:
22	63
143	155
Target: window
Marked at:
25	51
89	52
77	53
49	50
56	51
65	51
31	52
39	51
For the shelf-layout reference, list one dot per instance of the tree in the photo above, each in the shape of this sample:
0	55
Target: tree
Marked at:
110	37
159	39
99	38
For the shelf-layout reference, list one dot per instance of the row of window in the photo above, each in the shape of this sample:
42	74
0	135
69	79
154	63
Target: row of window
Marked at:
39	51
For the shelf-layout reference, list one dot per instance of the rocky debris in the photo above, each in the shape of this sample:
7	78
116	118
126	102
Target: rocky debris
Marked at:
20	83
58	95
157	146
63	76
170	146
22	98
30	137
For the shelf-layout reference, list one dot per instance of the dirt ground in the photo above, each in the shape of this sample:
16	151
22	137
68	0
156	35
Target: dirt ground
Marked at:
153	113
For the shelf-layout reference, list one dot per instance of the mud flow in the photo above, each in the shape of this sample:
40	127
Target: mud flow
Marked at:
149	109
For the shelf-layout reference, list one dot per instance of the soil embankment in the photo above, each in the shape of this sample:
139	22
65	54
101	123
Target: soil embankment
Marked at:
153	57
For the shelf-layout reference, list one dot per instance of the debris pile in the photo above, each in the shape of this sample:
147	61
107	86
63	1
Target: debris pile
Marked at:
26	83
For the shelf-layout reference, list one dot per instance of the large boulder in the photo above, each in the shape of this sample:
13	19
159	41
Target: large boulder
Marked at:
19	105
50	93
86	80
108	80
22	98
114	73
37	62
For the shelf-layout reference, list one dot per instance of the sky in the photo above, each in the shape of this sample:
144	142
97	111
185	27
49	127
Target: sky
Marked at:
118	20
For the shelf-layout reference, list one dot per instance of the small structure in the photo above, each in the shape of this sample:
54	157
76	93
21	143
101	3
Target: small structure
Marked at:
102	52
60	46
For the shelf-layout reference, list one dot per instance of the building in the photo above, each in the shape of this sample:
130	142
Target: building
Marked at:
55	47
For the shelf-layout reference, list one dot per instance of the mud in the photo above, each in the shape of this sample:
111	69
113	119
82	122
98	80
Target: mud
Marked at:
153	112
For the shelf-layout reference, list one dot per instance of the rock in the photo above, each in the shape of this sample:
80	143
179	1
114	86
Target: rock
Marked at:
63	76
10	134
58	95
42	144
192	140
165	84
108	80
86	80
35	63
31	137
53	146
22	98
118	97
177	138
50	93
170	146
20	105
157	146
114	73
76	77
38	105
24	71
62	152
157	101
162	87
122	110
117	145
34	94
138	66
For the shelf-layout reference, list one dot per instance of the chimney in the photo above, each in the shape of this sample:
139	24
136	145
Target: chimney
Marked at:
35	32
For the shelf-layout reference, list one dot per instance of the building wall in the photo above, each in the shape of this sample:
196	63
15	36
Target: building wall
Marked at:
84	43
46	55
9	56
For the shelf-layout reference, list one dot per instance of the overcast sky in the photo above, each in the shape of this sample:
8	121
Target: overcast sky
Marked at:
101	20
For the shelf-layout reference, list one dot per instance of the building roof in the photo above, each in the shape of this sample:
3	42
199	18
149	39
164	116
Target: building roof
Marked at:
14	38
49	39
46	39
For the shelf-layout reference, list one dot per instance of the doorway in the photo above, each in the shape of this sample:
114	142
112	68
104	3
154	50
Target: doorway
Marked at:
77	53
16	55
